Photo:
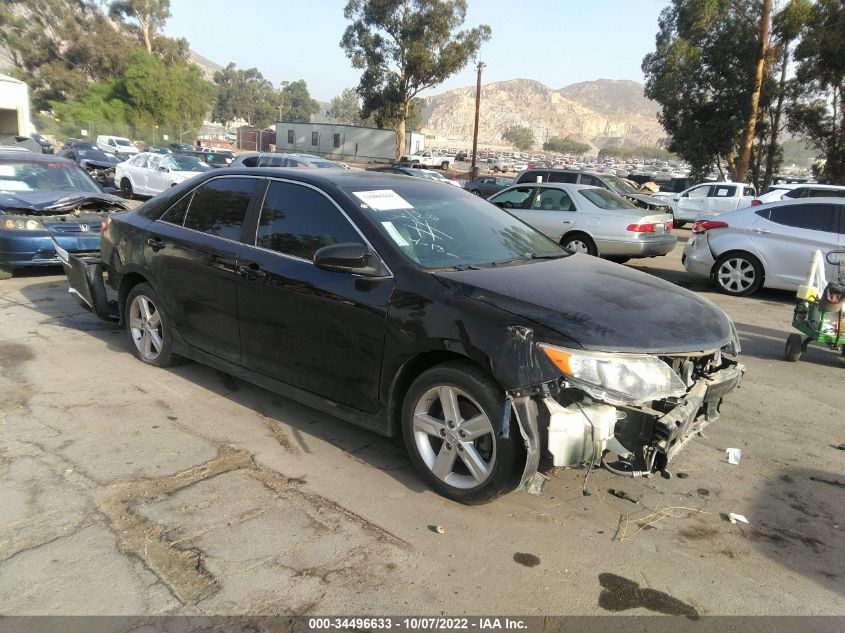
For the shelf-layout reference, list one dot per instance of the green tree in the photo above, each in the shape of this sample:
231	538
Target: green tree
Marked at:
244	94
386	117
297	104
346	108
706	53
405	47
519	136
149	16
786	27
817	112
565	146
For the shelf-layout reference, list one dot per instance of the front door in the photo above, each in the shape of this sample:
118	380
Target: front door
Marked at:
551	212
692	202
193	251
318	330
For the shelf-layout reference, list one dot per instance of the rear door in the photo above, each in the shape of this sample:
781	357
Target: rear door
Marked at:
787	235
193	250
318	330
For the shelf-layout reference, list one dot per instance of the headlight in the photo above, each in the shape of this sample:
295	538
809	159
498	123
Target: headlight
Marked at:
22	225
617	378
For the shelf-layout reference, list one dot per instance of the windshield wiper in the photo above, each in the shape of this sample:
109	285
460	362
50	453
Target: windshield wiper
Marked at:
525	258
456	267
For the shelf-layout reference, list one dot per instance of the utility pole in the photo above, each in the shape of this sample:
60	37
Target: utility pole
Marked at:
472	171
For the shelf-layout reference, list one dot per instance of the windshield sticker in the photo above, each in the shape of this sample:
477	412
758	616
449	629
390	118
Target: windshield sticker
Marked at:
383	199
7	170
393	232
722	192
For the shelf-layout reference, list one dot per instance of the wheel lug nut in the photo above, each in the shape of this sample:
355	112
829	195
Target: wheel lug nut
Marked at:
448	446
460	448
462	434
442	432
451	424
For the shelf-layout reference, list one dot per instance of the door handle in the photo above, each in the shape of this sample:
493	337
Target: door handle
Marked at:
155	243
251	272
761	231
566	221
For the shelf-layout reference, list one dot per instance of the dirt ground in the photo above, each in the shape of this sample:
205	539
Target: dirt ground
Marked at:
126	489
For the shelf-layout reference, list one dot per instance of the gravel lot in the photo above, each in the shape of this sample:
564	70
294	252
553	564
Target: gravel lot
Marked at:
125	489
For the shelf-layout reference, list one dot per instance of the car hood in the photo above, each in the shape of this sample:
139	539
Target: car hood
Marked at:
600	305
642	197
48	202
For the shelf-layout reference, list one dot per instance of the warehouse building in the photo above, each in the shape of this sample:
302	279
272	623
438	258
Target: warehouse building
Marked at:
344	142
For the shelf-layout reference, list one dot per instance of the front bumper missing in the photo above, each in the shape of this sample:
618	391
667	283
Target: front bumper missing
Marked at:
656	436
84	272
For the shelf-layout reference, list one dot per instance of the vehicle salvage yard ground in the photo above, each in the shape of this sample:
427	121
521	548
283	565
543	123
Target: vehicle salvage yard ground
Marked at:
126	489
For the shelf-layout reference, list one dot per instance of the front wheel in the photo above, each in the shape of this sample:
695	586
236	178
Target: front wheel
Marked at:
476	192
149	327
738	274
450	421
126	189
794	347
444	165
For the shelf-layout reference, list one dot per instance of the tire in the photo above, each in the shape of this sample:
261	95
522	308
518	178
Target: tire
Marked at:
476	192
126	188
432	441
738	274
679	224
5	272
444	165
794	347
141	323
618	260
579	243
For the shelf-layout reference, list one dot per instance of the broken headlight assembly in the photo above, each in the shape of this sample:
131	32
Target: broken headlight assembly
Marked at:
21	224
618	379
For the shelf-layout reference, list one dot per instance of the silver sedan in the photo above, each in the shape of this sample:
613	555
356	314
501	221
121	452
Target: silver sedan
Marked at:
589	219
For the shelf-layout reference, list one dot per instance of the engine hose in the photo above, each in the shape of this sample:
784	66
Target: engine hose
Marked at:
624	473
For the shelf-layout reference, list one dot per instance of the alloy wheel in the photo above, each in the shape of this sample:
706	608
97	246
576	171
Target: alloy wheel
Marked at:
145	327
577	246
454	437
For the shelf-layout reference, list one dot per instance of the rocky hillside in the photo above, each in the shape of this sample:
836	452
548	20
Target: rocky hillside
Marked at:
603	112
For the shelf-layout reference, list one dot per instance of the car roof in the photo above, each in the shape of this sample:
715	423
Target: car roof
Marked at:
320	177
34	157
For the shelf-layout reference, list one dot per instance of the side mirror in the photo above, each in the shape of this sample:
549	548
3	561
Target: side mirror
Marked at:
501	205
164	169
350	257
836	258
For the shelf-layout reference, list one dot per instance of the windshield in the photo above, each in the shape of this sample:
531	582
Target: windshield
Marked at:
25	176
186	163
605	199
99	156
123	142
619	185
438	227
323	164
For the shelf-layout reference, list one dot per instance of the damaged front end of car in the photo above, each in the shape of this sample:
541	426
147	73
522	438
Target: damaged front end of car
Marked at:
630	413
103	173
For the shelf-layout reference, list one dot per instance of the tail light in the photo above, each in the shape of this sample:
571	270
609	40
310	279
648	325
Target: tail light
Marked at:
755	203
668	226
104	225
642	228
705	225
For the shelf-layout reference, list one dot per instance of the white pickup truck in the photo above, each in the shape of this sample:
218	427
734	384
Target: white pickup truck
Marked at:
425	158
711	198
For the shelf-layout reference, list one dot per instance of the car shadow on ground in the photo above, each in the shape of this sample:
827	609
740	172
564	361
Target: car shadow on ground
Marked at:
798	520
306	424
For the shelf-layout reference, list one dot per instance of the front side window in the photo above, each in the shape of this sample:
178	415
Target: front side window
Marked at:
699	192
297	221
219	206
515	198
813	217
586	179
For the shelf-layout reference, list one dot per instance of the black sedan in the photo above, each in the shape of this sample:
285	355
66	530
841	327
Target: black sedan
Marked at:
411	308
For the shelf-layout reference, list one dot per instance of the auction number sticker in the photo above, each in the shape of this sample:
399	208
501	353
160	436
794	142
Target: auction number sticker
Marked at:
383	199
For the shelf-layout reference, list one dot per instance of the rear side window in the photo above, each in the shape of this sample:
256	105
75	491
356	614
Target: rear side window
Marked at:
252	161
719	191
813	217
219	206
798	192
297	221
827	193
562	176
531	176
176	213
553	200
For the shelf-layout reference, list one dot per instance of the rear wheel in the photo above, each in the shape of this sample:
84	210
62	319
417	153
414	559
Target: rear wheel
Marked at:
476	192
126	188
444	165
579	243
450	421
738	274
5	272
678	223
794	347
149	327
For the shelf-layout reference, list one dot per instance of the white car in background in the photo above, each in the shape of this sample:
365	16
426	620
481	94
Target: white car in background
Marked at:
764	246
116	144
148	174
799	190
711	198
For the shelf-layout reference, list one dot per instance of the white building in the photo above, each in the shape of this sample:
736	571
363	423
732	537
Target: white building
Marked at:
14	107
344	142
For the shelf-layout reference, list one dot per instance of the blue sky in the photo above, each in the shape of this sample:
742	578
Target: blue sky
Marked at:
556	42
